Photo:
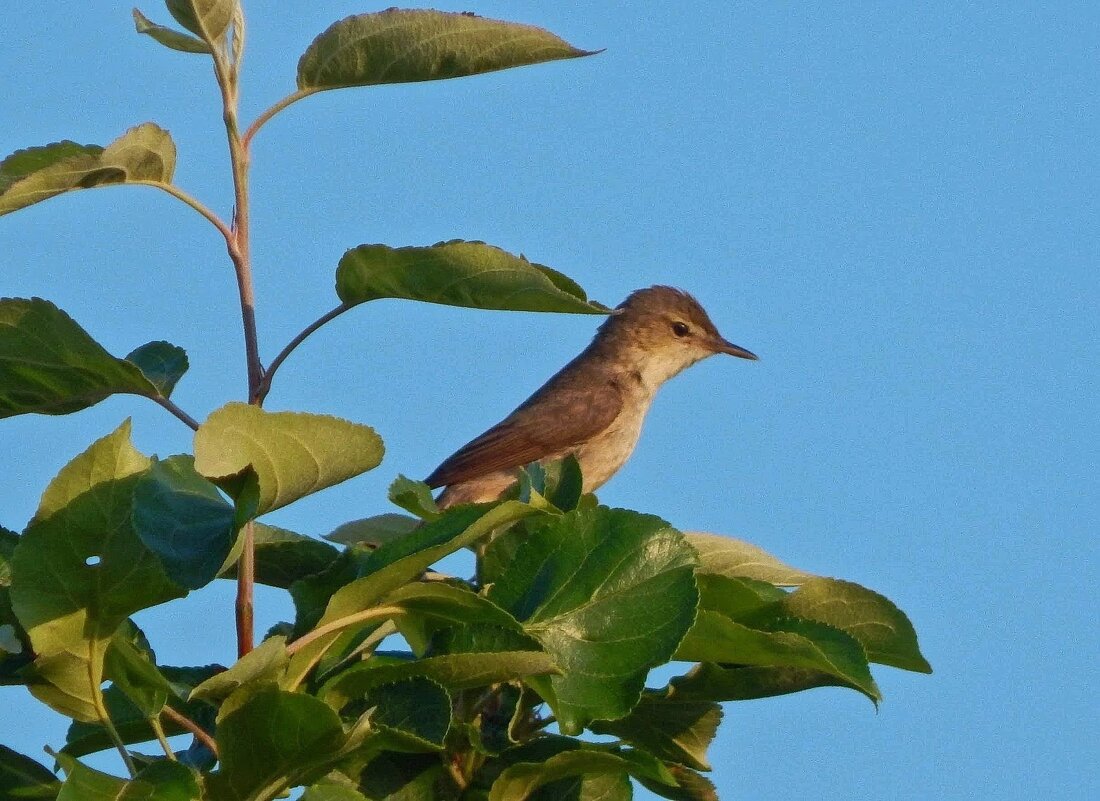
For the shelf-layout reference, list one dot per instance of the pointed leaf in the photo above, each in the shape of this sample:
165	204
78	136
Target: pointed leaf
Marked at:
169	37
609	593
162	363
711	682
401	561
727	556
400	46
670	728
208	19
883	629
274	737
327	790
373	531
690	786
49	364
292	454
520	781
144	153
22	777
264	663
135	674
457	273
416	708
183	519
790	643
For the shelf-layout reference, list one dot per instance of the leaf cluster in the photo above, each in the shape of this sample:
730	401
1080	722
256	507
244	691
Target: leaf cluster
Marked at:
393	681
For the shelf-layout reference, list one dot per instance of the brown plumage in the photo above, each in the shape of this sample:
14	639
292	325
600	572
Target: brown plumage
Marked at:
594	406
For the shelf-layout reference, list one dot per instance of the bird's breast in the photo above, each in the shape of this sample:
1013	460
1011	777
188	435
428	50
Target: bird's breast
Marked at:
602	456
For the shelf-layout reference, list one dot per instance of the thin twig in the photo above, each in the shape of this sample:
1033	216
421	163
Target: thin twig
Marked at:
109	726
187	419
342	623
194	203
262	120
158	730
198	731
265	383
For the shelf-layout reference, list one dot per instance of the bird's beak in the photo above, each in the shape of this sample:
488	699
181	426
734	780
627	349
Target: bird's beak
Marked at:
725	346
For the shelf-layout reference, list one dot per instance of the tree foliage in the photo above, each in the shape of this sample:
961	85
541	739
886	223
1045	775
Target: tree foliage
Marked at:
572	606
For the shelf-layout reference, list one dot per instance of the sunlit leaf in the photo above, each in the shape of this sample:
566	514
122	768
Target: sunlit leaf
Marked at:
456	273
144	153
373	531
399	46
293	454
168	37
728	556
207	19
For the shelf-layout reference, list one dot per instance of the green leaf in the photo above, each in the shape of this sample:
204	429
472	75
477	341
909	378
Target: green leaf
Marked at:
415	497
271	740
415	708
159	781
22	777
331	791
401	46
293	454
183	519
80	571
162	364
670	728
207	19
881	628
453	671
789	643
145	153
8	540
690	786
134	672
401	561
49	364
168	37
609	593
711	682
373	531
457	273
282	557
727	556
263	664
520	781
399	777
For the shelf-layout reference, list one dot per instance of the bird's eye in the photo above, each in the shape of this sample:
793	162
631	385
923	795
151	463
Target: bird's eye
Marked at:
680	329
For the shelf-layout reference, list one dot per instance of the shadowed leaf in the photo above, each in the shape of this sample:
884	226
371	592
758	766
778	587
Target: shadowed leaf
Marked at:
710	682
49	364
22	777
373	531
670	728
162	363
401	46
457	273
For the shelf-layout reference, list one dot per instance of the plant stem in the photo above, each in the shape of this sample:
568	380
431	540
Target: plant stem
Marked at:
187	419
194	203
271	112
342	623
198	731
158	730
246	582
265	382
240	252
108	725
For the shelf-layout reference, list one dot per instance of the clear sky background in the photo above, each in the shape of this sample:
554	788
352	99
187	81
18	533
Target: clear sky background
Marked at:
894	205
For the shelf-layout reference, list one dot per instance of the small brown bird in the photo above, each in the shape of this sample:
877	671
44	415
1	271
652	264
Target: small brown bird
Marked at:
594	406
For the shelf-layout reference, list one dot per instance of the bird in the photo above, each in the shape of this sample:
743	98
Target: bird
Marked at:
594	407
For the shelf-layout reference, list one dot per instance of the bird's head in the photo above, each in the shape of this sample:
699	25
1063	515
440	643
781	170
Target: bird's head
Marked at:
667	331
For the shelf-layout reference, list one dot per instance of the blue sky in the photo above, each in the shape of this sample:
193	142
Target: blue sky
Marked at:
896	208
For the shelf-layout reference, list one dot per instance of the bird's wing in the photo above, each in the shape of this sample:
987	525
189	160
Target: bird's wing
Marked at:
546	424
